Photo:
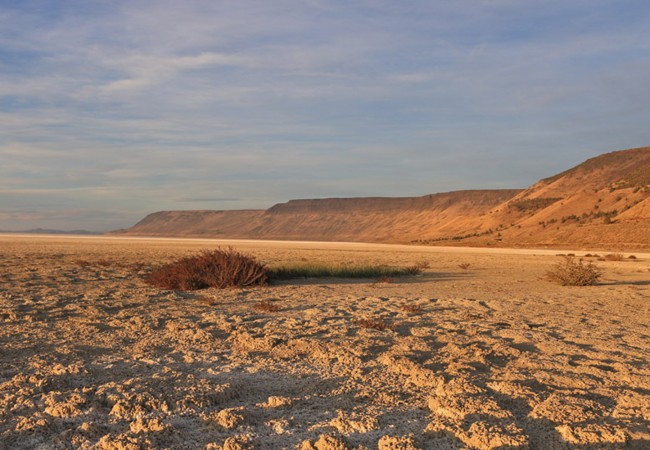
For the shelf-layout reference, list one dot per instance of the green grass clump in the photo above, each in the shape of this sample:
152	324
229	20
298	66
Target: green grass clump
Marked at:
324	270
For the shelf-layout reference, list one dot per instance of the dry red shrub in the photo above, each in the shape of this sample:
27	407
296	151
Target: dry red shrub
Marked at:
211	268
574	273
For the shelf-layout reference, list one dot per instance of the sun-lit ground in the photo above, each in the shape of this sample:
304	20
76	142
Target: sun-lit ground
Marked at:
478	352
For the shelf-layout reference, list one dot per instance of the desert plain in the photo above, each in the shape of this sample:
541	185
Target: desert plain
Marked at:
478	352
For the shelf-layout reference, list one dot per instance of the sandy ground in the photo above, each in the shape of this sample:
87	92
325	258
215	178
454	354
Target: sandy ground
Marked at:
487	357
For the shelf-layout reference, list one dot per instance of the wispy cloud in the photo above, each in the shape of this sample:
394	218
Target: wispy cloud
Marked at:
131	105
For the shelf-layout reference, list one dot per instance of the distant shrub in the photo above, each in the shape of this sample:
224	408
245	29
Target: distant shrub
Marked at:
373	324
572	217
570	272
631	257
533	204
412	308
211	268
614	257
464	266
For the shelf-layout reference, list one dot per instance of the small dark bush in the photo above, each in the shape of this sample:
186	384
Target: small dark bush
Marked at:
211	268
422	265
412	308
464	266
574	273
614	257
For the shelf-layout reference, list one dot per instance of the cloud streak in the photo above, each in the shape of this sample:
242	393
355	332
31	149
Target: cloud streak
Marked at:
144	105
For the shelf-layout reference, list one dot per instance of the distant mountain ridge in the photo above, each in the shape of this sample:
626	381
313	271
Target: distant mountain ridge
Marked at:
603	202
373	219
52	231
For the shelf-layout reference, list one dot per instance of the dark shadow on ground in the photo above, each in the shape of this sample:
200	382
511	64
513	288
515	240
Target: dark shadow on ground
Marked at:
429	276
625	283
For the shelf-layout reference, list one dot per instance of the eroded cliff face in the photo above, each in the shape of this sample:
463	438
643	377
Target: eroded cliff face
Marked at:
373	219
603	202
230	224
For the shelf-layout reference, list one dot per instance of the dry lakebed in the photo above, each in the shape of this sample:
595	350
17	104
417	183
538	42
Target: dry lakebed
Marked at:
477	352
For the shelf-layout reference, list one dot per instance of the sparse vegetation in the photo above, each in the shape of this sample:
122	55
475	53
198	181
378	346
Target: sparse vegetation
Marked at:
320	270
533	204
571	218
220	268
464	266
229	268
614	257
454	238
572	272
638	177
544	223
587	217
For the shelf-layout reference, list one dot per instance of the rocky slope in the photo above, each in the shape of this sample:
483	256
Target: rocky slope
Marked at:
603	202
376	219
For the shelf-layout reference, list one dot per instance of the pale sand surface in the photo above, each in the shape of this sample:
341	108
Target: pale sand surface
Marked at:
92	357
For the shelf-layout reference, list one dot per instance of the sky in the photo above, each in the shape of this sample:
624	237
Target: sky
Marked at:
110	110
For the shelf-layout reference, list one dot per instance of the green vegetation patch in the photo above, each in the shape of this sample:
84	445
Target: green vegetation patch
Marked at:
333	270
227	268
533	204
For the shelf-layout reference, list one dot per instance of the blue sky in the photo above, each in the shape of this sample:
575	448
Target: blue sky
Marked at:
110	110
